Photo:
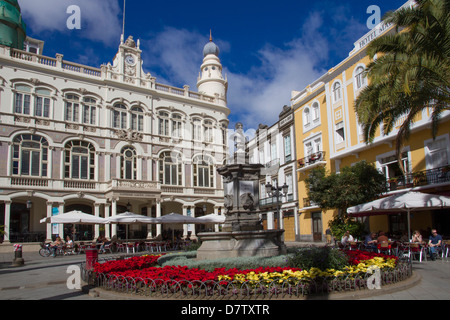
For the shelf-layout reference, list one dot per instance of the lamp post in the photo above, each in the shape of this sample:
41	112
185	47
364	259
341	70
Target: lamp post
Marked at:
277	192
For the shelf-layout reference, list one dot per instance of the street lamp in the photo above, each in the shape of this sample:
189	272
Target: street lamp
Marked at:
277	192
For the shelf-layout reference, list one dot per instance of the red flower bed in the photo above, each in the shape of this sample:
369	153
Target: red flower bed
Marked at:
357	256
185	274
134	263
144	267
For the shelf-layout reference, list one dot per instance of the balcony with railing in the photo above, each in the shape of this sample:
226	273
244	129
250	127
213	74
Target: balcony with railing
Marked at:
308	203
102	73
312	161
420	178
272	201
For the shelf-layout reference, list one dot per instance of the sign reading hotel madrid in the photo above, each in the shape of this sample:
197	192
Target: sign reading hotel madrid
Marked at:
373	34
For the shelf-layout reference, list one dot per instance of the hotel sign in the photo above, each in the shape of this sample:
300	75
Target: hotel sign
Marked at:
372	35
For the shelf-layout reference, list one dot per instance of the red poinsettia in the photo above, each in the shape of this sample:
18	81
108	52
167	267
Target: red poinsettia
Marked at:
144	268
355	257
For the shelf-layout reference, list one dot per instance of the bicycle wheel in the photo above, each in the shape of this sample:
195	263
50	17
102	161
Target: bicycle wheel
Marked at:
44	252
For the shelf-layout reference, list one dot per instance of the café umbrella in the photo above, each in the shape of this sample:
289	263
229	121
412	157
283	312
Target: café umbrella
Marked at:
128	218
176	218
401	202
212	218
74	217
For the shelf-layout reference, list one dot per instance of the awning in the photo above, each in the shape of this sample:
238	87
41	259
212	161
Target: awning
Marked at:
401	202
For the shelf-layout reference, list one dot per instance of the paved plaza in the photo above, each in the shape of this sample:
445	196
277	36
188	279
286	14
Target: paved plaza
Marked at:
46	279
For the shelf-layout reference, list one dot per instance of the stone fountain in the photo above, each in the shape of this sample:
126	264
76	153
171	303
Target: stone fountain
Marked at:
242	234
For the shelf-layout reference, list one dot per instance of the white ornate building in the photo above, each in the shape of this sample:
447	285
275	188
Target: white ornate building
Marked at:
106	140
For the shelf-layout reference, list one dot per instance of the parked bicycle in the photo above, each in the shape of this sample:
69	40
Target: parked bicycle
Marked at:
47	250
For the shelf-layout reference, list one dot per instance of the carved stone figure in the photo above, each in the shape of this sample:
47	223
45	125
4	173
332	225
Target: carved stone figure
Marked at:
247	201
228	202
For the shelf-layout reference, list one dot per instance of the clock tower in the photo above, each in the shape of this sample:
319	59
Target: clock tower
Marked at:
127	64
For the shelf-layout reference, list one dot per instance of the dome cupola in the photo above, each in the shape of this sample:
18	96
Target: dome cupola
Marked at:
211	48
12	28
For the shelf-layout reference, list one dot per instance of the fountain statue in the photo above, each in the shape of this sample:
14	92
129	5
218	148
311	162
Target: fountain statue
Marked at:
242	233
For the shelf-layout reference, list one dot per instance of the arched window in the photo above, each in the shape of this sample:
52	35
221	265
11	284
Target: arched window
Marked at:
42	103
203	172
170	169
128	164
316	111
137	119
337	95
22	99
163	124
208	131
120	116
89	111
177	126
30	156
306	118
360	78
72	110
79	160
196	129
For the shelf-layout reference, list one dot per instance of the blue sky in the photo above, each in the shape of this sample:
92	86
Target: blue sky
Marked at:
268	48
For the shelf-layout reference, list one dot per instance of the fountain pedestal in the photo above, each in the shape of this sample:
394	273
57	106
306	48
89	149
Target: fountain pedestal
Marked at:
242	234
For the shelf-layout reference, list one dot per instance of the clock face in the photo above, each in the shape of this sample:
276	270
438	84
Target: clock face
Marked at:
129	59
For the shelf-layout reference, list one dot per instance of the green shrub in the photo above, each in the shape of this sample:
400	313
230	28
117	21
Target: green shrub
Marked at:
188	260
177	259
193	246
322	258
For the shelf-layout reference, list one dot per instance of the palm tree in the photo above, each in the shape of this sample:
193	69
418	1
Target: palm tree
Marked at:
411	72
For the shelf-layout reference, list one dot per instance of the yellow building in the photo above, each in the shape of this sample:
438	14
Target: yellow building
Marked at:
327	133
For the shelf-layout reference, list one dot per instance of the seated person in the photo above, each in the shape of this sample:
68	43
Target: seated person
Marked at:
69	245
371	242
434	242
55	245
346	238
417	237
382	237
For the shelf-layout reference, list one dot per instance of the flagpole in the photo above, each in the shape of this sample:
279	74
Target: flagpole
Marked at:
124	12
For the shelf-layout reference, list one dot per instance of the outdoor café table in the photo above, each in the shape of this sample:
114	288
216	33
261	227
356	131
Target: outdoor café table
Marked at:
130	245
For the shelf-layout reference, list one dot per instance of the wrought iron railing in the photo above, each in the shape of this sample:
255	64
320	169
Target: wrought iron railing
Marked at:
290	288
420	178
312	159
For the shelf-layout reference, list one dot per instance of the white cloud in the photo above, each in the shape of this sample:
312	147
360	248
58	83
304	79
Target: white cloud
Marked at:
176	53
100	19
256	96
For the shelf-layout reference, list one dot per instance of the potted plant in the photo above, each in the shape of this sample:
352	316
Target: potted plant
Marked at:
419	178
393	183
393	180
